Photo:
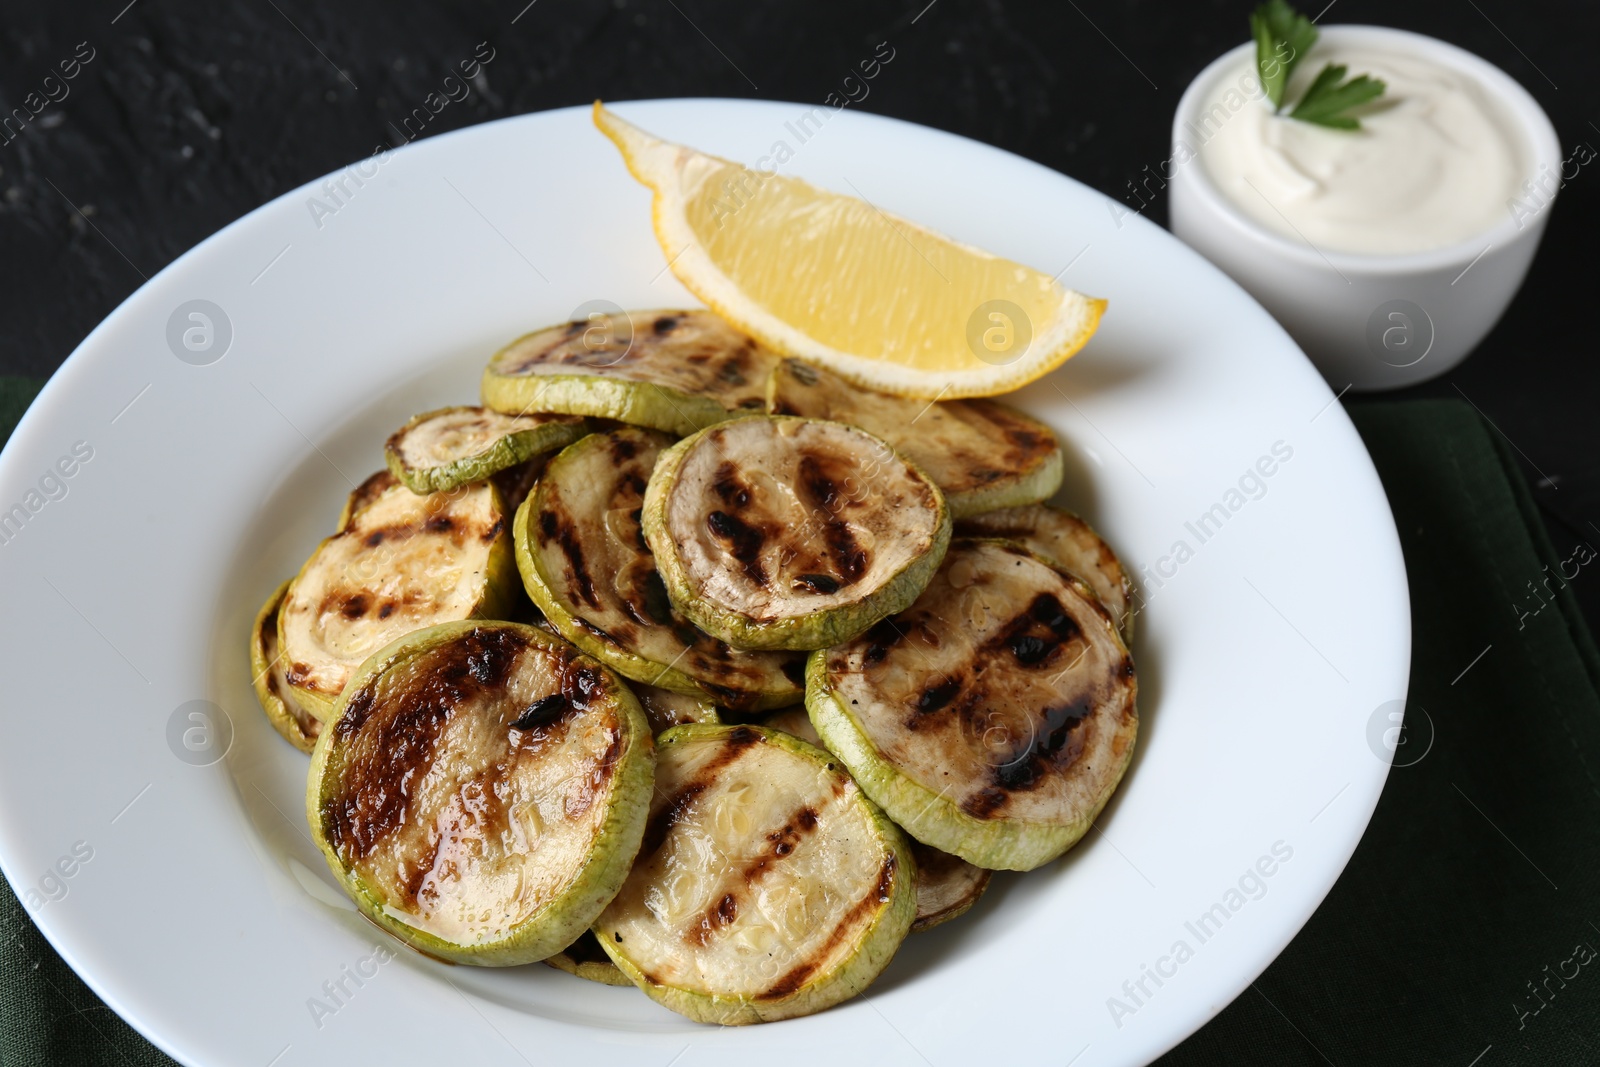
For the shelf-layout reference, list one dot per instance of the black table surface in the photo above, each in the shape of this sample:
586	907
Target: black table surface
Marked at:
190	114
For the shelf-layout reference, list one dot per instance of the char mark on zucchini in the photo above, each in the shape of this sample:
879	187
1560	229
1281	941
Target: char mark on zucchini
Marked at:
1000	720
815	532
734	745
743	542
875	898
587	564
371	807
1067	543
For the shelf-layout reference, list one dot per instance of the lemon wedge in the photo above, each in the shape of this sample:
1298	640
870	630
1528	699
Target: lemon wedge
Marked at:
884	302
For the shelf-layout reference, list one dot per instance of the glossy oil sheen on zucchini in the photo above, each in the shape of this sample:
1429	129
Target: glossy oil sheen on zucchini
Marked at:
586	564
767	885
402	562
780	532
676	371
1068	542
482	791
981	454
296	725
442	449
993	719
946	885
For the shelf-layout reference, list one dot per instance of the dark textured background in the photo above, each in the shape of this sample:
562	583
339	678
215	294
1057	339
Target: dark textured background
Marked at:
191	114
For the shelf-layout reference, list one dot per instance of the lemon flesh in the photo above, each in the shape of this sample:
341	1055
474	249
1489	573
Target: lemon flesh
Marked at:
815	274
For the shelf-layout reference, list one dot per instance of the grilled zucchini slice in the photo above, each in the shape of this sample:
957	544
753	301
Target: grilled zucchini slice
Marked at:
482	791
402	562
439	450
666	709
676	371
586	959
777	532
946	885
586	564
297	726
364	494
767	886
992	720
982	455
1065	540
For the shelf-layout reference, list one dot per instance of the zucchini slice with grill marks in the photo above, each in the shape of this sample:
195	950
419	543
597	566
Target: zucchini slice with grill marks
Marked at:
982	455
482	791
362	495
992	720
585	562
676	371
946	885
666	709
1065	540
402	562
767	886
297	726
442	449
779	532
586	959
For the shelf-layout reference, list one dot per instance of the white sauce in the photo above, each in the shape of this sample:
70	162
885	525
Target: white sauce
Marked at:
1435	162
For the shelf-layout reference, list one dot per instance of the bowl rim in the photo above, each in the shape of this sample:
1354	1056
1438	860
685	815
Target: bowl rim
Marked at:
1543	146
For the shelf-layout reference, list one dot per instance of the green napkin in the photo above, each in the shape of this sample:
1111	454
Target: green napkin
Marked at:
1465	925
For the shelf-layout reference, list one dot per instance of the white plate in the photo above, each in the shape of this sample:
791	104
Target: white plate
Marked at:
206	917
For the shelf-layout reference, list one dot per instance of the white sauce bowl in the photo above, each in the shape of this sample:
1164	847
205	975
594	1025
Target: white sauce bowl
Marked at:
1371	321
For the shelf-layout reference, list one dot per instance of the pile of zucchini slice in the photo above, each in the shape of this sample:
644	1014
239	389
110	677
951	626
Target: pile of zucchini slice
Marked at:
683	666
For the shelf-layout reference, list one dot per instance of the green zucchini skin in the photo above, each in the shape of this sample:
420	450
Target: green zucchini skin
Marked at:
646	404
677	371
806	980
981	454
349	568
294	725
619	626
458	666
817	621
492	442
1067	543
949	700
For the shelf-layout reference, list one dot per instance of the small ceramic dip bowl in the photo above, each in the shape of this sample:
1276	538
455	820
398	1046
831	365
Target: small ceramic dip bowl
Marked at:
1368	320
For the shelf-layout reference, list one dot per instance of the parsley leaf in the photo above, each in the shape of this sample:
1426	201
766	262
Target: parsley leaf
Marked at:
1330	95
1283	36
